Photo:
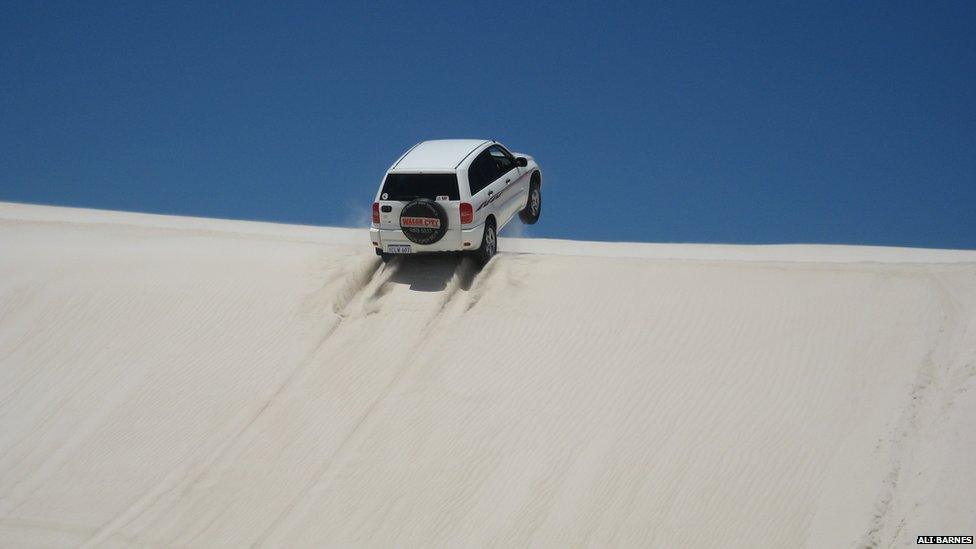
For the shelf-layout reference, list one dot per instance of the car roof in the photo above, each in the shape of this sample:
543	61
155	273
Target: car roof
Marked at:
437	155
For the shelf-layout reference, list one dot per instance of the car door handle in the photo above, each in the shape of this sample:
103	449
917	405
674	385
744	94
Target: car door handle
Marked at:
490	193
508	181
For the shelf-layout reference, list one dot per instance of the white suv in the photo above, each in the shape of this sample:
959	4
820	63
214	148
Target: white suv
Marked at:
454	195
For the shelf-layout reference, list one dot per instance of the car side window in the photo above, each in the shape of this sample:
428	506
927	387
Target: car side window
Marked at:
503	161
482	172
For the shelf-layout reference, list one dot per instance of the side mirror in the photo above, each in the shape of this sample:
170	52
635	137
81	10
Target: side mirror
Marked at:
521	162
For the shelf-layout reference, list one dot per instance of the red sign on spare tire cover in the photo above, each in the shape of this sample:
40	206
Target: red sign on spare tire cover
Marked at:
423	221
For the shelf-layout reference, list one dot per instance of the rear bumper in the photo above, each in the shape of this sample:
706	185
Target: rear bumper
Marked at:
454	240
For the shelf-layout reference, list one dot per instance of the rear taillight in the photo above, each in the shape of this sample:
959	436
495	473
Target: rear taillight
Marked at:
376	213
467	213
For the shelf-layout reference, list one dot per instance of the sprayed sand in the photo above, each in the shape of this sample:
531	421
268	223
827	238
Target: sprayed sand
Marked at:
188	382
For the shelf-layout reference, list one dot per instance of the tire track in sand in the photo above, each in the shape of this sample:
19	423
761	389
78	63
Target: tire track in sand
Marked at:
464	277
346	286
918	413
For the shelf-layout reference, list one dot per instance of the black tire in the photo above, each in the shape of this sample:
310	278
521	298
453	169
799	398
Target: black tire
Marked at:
533	209
432	217
489	244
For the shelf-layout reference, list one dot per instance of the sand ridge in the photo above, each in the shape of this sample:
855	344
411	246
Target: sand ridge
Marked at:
172	381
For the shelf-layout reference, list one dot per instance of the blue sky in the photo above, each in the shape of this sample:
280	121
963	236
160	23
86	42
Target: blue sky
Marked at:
822	122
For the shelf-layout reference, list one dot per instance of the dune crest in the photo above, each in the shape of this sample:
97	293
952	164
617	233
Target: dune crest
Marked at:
172	381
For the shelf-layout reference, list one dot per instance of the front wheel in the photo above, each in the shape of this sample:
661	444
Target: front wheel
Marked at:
489	244
530	214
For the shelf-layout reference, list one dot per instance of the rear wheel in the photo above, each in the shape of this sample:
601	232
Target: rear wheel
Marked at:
530	214
489	244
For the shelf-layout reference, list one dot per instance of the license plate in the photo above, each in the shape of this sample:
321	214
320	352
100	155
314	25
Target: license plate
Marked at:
397	249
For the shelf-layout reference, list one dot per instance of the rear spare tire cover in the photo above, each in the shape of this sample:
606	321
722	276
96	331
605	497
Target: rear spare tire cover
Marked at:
423	221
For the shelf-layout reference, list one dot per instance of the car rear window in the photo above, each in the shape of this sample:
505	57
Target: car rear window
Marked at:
408	186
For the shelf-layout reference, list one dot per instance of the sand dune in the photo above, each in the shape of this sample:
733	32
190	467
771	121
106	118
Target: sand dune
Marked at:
187	382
